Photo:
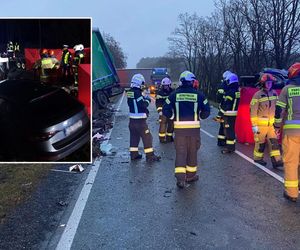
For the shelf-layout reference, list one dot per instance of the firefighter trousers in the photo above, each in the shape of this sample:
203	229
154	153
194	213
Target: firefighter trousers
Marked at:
221	135
229	124
166	128
291	160
186	147
266	133
139	129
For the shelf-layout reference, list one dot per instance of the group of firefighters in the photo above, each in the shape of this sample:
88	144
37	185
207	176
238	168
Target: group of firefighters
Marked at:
180	112
68	64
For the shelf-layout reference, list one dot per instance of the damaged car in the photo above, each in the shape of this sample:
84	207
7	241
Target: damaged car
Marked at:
40	122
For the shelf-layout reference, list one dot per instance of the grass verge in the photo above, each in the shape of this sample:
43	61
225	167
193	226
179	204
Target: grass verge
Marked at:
17	183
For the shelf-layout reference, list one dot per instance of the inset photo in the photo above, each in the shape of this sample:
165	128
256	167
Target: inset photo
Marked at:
45	90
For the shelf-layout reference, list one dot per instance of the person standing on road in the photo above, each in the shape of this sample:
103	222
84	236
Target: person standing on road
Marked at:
138	120
186	106
262	111
65	63
287	113
166	125
220	98
228	111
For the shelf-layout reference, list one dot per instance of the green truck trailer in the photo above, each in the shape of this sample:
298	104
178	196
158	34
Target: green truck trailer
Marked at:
105	81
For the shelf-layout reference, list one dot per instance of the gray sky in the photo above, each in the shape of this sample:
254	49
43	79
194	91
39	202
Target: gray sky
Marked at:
142	27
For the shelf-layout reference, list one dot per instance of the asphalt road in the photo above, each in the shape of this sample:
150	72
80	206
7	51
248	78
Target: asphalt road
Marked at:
136	205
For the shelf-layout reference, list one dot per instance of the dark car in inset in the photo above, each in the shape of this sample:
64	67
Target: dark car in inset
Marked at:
40	122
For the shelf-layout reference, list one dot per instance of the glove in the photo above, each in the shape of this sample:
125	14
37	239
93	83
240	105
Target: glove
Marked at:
277	131
255	129
218	119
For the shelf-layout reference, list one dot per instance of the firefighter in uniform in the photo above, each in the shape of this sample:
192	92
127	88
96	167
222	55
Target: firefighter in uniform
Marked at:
186	106
287	113
166	126
78	59
228	112
138	114
220	98
45	65
262	111
10	49
65	63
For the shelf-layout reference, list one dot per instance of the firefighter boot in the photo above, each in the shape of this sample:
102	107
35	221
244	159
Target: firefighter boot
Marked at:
181	184
192	179
169	138
285	195
135	156
162	140
277	164
261	162
227	151
221	143
152	158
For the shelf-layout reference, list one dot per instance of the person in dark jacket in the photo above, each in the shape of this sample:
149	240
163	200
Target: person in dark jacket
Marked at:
220	99
166	126
138	127
228	112
186	106
65	63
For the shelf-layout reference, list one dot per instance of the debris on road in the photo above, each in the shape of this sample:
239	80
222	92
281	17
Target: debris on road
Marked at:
76	167
62	203
101	126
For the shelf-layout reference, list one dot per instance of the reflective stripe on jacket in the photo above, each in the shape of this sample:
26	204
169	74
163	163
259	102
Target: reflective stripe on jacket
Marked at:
231	101
186	106
262	108
288	108
161	97
137	104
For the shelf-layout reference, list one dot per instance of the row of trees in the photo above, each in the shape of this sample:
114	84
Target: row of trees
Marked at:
242	35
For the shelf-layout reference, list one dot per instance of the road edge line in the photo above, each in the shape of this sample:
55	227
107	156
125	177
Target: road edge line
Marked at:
67	237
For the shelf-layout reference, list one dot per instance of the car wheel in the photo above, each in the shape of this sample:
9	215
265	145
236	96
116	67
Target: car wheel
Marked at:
102	99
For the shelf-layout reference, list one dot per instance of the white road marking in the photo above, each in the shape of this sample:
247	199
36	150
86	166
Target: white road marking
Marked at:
210	135
268	171
68	235
276	176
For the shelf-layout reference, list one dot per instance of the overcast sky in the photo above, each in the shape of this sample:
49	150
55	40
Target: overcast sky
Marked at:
142	27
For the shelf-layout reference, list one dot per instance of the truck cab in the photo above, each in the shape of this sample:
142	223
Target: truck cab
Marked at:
157	75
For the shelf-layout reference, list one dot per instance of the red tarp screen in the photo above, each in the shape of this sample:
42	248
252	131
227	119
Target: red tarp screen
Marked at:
243	126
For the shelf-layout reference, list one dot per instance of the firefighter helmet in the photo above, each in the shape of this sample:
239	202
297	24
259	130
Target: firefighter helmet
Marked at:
44	53
137	80
266	78
226	74
78	47
187	77
166	81
233	78
51	52
294	70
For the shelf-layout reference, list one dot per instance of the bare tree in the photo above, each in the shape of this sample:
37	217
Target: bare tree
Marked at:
117	52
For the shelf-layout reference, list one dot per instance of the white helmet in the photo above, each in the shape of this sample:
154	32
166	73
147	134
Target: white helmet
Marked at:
226	74
78	47
166	81
233	78
137	80
187	76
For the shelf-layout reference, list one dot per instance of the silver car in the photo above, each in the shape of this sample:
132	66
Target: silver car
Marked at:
39	122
